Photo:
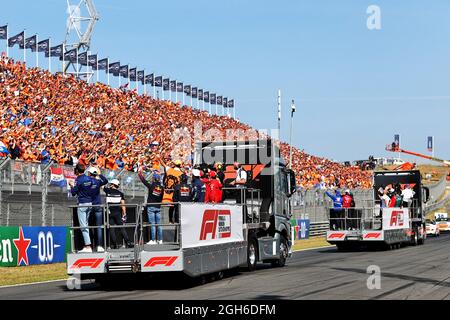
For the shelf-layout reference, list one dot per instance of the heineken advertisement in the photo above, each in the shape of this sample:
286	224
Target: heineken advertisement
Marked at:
23	246
301	228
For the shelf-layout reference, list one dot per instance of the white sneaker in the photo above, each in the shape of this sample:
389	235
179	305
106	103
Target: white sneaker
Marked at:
100	249
86	250
151	242
160	242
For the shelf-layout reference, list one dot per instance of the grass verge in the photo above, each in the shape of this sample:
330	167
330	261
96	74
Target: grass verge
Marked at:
29	274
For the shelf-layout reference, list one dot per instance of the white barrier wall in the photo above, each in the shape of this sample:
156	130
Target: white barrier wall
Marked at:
207	224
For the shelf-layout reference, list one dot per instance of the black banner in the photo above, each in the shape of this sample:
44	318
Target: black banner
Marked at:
173	86
212	98
187	90
92	61
231	104
141	76
71	55
83	59
132	74
150	79
123	71
17	39
103	64
200	94
56	51
219	100
44	46
206	96
30	43
114	68
194	92
179	86
4	32
225	102
158	81
166	84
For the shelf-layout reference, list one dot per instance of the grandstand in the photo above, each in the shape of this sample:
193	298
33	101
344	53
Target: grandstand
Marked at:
120	129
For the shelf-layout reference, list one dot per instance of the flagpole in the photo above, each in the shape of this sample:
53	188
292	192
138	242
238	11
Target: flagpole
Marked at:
216	108
96	62
107	69
64	62
37	51
7	40
49	52
77	67
24	49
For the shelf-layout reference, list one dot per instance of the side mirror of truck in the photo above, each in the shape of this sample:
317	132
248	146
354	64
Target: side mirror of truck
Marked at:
425	194
292	184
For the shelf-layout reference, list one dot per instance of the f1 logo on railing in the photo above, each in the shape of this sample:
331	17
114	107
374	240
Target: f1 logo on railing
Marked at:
165	261
336	236
85	263
373	235
209	224
397	218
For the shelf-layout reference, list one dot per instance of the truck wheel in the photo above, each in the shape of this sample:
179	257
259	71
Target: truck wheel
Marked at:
415	238
283	254
252	255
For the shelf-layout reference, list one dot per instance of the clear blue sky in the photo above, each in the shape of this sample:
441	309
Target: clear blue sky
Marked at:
354	88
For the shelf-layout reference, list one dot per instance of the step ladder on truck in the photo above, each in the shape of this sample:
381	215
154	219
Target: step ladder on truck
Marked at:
379	226
251	225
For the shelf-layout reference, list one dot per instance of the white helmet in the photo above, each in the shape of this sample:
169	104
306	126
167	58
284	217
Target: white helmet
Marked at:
196	172
115	182
93	171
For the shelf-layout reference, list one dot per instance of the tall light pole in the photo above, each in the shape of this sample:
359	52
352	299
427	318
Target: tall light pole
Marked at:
290	134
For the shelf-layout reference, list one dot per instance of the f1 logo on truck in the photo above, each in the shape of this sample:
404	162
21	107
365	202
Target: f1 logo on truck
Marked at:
397	219
84	263
209	224
373	235
165	261
336	236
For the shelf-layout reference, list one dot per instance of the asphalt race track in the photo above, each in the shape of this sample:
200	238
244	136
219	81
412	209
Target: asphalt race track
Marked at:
421	272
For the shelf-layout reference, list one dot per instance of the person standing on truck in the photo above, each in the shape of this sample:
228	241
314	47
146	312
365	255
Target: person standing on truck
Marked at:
408	195
220	172
171	179
348	204
213	189
82	189
115	199
198	187
336	212
240	181
98	181
182	193
154	198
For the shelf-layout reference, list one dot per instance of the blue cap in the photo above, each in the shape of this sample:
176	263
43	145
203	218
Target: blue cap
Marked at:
156	176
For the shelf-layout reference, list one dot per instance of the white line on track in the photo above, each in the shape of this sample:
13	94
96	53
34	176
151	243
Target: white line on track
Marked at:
31	283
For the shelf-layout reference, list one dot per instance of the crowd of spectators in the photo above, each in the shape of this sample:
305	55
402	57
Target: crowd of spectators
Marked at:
53	117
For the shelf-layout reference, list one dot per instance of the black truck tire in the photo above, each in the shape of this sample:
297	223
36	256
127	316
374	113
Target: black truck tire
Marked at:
284	251
252	254
415	238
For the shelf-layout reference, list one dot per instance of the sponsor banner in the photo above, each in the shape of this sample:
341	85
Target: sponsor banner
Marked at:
208	224
395	218
23	246
161	261
336	235
86	263
302	229
373	235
